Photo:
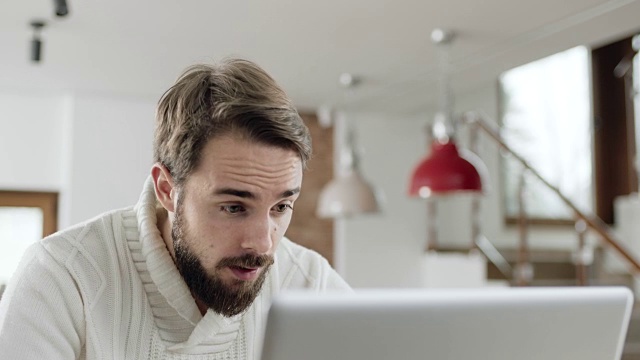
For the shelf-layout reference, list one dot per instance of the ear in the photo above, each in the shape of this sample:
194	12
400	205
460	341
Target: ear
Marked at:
164	186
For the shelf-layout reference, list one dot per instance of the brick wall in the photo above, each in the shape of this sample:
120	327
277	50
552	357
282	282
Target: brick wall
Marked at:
306	228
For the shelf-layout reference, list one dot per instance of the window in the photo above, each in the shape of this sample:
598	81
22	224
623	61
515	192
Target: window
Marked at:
25	217
19	228
546	119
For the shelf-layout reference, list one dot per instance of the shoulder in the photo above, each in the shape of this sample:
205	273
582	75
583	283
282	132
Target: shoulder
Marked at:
293	255
87	238
90	253
300	267
294	250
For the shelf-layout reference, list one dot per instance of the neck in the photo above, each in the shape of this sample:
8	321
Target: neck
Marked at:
164	225
201	306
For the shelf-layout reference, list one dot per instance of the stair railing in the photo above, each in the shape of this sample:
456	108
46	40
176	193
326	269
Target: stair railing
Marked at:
523	272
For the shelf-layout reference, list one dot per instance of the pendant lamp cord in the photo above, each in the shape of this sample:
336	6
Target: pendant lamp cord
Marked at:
444	126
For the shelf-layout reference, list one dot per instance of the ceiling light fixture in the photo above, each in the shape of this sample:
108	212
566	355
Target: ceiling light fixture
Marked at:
60	7
348	194
36	41
447	169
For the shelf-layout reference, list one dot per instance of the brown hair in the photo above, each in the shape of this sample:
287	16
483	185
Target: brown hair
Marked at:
235	96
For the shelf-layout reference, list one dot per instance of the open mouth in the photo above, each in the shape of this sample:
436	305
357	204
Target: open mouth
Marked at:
244	273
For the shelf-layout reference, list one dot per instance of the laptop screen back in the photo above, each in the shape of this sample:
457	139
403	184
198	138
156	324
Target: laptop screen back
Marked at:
490	324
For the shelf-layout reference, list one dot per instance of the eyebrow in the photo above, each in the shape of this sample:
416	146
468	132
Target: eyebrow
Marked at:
289	193
249	195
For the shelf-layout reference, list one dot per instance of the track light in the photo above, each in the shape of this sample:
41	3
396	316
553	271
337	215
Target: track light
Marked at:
61	8
36	42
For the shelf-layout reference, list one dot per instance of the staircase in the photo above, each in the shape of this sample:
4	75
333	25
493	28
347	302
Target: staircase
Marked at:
550	267
556	268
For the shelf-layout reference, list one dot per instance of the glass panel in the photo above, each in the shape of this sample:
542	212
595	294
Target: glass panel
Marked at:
546	120
19	228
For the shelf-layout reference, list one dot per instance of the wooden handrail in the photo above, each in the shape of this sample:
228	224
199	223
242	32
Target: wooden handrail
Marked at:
592	221
493	255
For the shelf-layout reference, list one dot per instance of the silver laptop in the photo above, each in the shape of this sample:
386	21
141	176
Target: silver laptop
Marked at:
485	324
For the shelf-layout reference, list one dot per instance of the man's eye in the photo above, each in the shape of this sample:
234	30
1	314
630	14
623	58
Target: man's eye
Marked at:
232	209
283	208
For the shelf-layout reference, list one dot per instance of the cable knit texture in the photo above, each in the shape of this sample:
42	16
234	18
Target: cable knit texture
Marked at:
108	289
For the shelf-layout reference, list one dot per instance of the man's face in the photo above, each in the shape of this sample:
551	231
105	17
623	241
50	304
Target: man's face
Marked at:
231	213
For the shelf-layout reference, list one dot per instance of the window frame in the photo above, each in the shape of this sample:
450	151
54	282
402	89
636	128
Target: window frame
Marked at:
614	129
46	201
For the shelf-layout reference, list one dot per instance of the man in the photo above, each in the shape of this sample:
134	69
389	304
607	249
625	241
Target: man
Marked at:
190	270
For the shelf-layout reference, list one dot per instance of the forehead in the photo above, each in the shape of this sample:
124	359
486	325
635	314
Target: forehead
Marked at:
234	161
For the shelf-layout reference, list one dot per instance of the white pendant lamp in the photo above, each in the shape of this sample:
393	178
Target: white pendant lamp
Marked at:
349	193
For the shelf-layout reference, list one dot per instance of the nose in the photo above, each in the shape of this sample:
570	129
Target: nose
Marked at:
258	235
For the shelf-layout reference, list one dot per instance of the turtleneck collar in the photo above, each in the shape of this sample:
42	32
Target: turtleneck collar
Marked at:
211	333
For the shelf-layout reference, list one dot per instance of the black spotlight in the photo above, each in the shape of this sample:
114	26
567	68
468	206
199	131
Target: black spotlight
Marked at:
61	7
36	42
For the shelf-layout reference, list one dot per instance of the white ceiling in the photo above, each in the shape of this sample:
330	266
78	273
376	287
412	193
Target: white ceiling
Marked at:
137	48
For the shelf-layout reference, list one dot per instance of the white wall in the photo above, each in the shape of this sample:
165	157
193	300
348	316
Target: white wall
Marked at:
383	250
31	141
95	150
110	154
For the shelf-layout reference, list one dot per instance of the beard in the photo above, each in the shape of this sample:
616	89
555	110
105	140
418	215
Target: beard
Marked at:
225	298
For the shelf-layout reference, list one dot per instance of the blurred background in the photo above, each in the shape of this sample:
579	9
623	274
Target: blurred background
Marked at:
557	80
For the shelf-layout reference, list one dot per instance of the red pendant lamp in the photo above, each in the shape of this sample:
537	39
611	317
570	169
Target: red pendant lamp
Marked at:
446	169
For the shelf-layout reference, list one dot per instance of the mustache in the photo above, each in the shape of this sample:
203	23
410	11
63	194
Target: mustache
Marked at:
246	261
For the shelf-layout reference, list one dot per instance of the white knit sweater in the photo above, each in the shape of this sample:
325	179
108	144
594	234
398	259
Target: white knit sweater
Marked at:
108	289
